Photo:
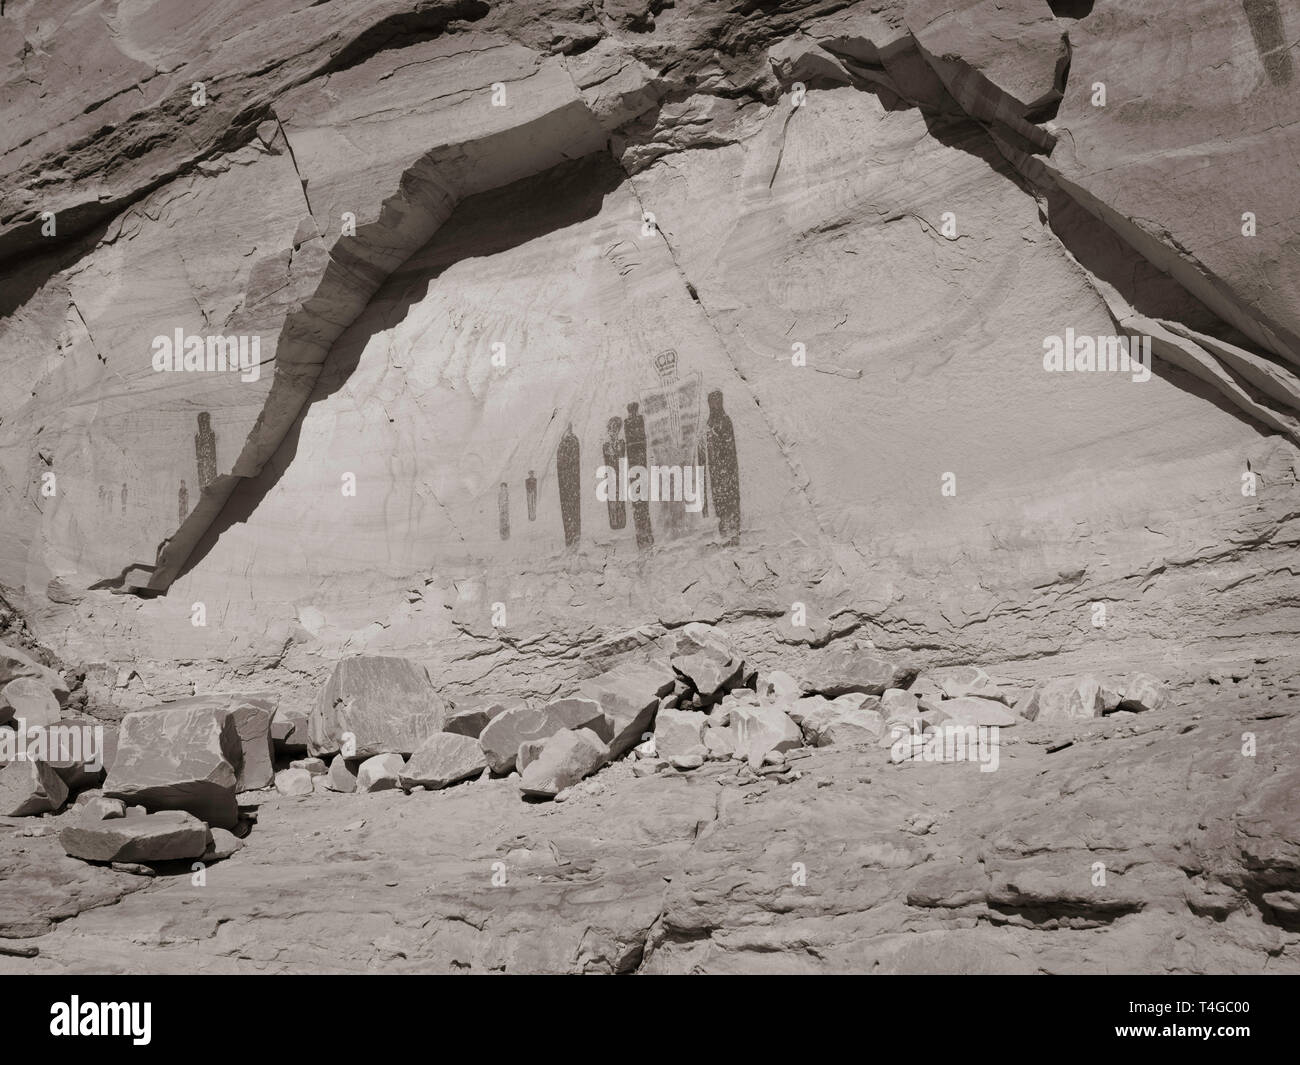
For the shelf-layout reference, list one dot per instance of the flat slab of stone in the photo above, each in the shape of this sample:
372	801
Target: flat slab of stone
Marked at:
443	759
374	705
840	672
165	836
179	758
970	710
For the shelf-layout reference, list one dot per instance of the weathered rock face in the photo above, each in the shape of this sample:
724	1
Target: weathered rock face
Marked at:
179	758
375	705
389	194
813	268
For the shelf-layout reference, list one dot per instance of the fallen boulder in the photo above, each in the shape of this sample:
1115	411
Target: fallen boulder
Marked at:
382	772
471	720
840	672
28	699
443	759
565	758
628	696
293	782
340	777
960	681
373	705
679	733
179	758
1141	691
970	710
502	736
29	788
289	724
709	671
760	729
846	719
15	662
252	720
161	837
1064	697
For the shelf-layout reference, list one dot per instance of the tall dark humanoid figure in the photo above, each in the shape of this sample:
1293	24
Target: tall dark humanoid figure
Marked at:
613	449
205	450
503	510
530	492
724	472
569	474
634	434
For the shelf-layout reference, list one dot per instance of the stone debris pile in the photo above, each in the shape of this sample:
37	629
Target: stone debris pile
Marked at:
179	782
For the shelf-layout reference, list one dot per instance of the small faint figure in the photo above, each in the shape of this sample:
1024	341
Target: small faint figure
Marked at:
530	491
183	499
503	510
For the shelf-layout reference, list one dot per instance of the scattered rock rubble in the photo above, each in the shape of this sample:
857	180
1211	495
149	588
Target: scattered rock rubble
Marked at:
176	779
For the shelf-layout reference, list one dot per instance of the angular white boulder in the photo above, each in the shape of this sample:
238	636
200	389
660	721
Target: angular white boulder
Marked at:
759	729
679	732
293	782
383	772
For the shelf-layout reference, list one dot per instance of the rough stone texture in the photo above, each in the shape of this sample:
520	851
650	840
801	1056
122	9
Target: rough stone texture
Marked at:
471	720
340	777
30	788
164	836
102	809
698	877
253	725
709	671
386	706
179	758
845	671
383	772
565	758
968	680
760	729
293	782
443	759
679	732
1063	697
29	700
970	710
1141	691
770	224
852	718
628	696
503	735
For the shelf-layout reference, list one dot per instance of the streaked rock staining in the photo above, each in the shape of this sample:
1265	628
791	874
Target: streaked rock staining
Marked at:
943	355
